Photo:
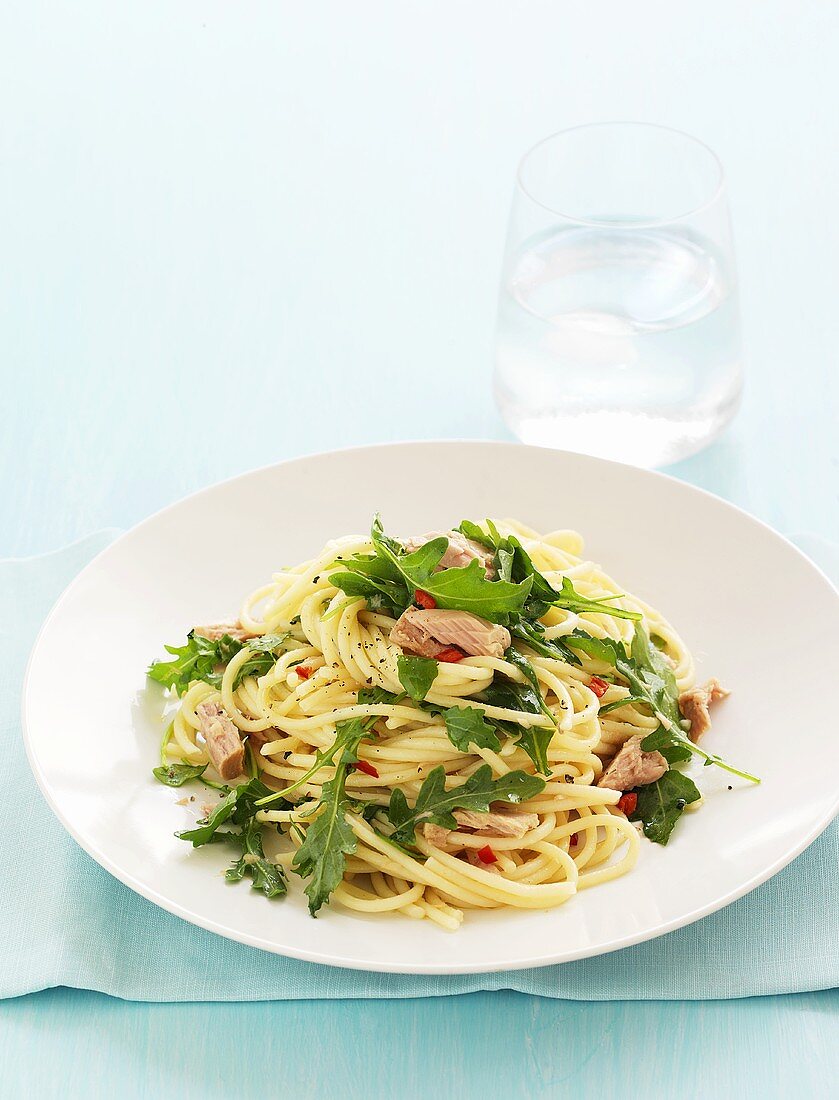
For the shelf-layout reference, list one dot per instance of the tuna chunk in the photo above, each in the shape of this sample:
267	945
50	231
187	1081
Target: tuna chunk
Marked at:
218	630
436	835
460	552
694	705
632	767
502	820
428	633
258	738
223	742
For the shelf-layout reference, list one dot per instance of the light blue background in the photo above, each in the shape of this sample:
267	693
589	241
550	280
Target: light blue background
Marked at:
230	234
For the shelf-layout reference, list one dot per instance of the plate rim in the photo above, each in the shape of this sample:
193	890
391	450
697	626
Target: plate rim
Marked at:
307	955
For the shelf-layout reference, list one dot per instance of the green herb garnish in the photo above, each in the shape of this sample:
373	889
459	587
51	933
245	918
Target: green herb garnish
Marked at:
200	659
435	804
416	675
661	804
175	775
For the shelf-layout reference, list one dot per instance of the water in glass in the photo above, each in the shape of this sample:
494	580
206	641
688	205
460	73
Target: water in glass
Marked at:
619	341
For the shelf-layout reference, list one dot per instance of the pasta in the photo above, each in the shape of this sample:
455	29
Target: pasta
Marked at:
328	674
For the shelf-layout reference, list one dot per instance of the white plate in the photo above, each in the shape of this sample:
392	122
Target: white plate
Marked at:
755	612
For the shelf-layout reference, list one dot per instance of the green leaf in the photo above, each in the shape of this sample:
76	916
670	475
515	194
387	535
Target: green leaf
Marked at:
653	669
601	649
435	804
237	807
661	804
570	600
263	656
533	634
467	726
462	589
175	775
322	856
651	680
266	876
513	563
618	703
348	735
519	661
374	579
416	675
473	531
533	739
372	695
200	659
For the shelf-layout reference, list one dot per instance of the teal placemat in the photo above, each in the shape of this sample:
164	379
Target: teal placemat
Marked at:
65	921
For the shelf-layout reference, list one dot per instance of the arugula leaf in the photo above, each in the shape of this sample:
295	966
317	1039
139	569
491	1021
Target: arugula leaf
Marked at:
348	734
661	804
618	703
376	580
651	680
533	739
370	695
263	656
416	675
601	649
533	634
329	840
463	589
435	804
467	726
175	775
476	534
513	563
519	661
237	807
267	876
657	674
200	659
569	599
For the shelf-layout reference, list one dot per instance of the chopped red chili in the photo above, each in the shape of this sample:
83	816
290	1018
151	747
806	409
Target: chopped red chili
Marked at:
598	686
303	671
575	839
424	600
628	802
486	855
366	767
450	655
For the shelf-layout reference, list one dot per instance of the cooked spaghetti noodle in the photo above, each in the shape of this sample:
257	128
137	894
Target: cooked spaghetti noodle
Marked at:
334	646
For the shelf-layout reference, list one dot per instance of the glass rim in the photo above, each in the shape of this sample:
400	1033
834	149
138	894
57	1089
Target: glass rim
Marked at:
601	223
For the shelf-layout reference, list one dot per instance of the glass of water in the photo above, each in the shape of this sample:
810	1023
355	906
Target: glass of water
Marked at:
618	325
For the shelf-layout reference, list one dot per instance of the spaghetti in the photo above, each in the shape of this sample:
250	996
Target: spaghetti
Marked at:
333	664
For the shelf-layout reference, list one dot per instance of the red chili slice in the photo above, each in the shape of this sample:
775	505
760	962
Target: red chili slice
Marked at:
628	802
424	600
598	686
486	855
450	655
366	767
303	671
575	839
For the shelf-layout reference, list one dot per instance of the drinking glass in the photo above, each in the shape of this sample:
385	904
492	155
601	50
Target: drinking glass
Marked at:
618	325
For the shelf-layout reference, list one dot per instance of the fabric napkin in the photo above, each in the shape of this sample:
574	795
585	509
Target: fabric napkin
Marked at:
66	921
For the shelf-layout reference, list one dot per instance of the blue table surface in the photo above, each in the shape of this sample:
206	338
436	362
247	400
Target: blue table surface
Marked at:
234	234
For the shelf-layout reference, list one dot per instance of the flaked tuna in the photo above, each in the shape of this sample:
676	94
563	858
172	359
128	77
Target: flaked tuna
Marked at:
214	631
694	705
632	767
223	741
460	552
428	633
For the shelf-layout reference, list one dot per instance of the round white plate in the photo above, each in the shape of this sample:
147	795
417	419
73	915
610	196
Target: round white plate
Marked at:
755	612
